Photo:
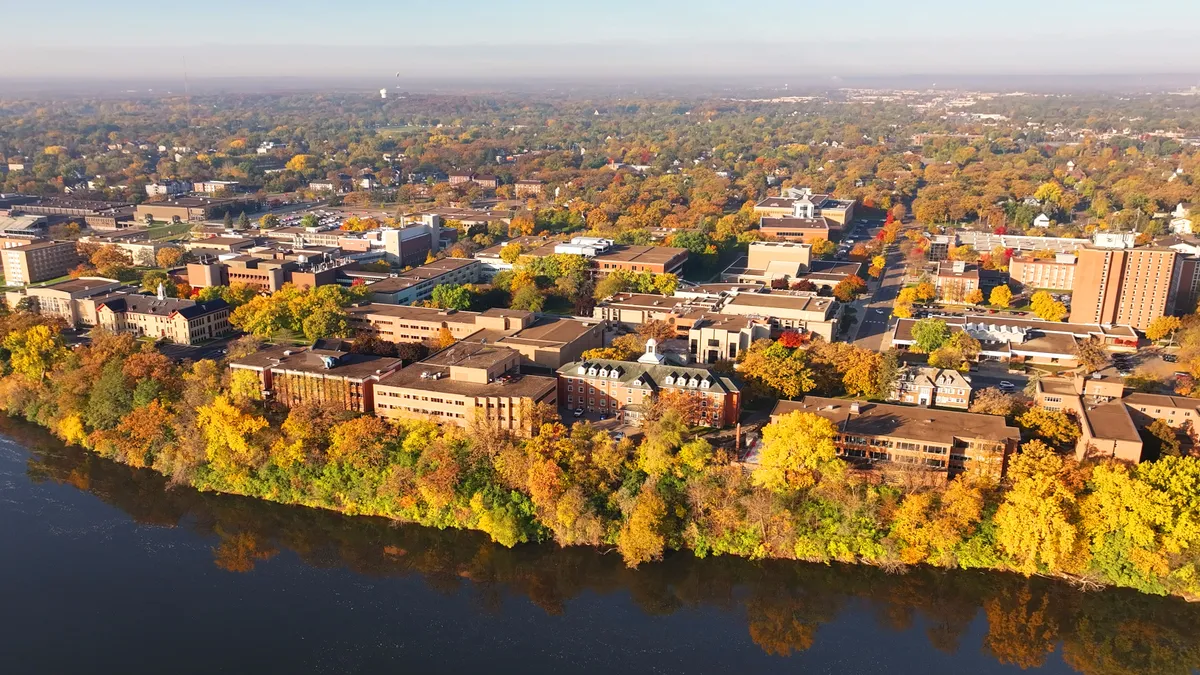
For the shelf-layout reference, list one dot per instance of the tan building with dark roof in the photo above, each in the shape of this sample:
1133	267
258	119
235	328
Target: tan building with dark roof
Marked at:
324	373
939	387
462	383
63	300
804	202
184	322
906	441
798	310
39	261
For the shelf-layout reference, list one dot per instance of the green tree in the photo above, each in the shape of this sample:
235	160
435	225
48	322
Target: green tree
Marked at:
929	335
451	296
110	399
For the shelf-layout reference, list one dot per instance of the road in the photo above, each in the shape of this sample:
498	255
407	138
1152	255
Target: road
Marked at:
873	331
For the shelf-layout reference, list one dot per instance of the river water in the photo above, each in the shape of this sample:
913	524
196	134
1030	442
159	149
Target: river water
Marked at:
106	569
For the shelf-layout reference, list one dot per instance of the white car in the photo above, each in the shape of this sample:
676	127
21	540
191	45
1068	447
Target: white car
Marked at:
1005	385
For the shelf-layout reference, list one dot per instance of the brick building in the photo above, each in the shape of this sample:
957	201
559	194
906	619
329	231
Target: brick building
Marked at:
627	389
924	444
1124	285
39	261
323	373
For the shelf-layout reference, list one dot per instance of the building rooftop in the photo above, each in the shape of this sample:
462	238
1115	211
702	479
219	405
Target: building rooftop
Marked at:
411	313
136	303
651	376
918	424
799	303
320	361
1138	399
1111	421
427	376
551	332
80	284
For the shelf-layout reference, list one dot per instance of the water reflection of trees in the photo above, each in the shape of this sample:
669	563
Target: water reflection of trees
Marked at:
785	603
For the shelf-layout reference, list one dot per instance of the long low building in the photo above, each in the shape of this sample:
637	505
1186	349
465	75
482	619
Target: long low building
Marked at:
1027	340
418	283
465	382
789	310
324	373
544	343
898	440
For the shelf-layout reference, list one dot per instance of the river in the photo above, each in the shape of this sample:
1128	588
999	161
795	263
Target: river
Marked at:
107	569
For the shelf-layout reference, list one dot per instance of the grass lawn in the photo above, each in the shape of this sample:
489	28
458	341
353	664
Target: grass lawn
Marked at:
168	230
557	304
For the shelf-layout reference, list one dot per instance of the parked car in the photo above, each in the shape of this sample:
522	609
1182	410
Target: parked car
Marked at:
1005	385
1170	358
578	412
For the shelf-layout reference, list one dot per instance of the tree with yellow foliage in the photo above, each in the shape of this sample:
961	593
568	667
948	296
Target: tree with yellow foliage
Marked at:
798	451
641	538
1001	296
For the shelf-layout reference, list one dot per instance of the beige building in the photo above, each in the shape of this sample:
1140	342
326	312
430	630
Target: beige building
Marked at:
64	300
796	310
544	343
716	337
324	373
921	444
804	203
39	261
222	244
180	321
418	283
1056	274
462	383
766	261
938	387
633	309
1106	423
1129	286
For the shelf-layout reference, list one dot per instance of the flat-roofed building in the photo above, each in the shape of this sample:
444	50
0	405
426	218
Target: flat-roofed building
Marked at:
184	322
418	283
39	261
802	230
1180	412
1128	286
939	387
627	389
1004	338
717	337
797	310
922	444
192	209
464	382
223	244
808	204
61	300
633	309
528	188
550	342
405	323
324	373
608	256
1057	273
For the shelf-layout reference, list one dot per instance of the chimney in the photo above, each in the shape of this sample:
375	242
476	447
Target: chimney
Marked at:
855	407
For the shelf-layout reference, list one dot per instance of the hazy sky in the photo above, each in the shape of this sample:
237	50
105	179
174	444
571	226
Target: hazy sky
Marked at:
131	38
